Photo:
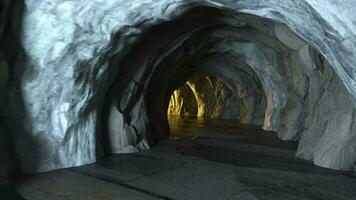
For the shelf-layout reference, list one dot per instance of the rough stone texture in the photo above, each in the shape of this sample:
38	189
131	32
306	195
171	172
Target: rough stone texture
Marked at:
81	64
183	102
213	98
210	98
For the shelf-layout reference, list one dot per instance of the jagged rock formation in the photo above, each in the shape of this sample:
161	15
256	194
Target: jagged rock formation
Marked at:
97	76
183	102
210	98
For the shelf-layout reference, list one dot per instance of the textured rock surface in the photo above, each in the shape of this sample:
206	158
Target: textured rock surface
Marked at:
183	102
79	66
210	98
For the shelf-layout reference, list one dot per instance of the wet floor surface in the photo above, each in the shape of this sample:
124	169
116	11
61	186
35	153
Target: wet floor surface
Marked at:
200	161
227	130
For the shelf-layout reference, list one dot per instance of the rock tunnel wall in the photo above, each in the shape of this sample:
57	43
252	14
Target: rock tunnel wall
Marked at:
183	102
212	97
89	78
216	99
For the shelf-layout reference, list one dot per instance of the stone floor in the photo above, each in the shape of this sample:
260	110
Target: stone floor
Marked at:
199	162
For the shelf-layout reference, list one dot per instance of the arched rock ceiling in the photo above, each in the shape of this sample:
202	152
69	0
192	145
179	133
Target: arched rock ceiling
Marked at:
76	61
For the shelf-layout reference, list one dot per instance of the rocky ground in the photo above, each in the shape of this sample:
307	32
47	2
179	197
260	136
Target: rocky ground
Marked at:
201	161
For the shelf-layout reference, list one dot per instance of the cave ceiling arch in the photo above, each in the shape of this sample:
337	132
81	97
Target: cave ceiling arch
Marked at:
107	60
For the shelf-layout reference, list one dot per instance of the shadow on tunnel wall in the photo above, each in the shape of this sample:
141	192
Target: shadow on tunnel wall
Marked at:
15	60
127	89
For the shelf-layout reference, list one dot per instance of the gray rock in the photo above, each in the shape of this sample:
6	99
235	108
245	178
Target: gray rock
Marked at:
79	59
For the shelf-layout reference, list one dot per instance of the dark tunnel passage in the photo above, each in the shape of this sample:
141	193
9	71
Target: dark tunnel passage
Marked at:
209	108
178	99
216	99
183	102
208	97
276	78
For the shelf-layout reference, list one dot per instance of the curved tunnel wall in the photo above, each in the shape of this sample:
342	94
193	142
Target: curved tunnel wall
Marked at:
113	62
183	102
213	98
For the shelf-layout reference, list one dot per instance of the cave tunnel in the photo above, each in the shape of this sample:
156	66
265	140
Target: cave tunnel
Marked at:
198	99
206	102
183	102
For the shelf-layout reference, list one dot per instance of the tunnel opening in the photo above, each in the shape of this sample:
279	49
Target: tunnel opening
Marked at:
278	75
183	103
208	108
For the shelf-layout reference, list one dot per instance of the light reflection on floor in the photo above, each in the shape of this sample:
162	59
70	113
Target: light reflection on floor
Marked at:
181	126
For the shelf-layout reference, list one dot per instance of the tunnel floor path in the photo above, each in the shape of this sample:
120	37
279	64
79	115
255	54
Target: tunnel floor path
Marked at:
202	160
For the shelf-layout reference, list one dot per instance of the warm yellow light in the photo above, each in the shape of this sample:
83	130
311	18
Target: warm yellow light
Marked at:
183	101
175	103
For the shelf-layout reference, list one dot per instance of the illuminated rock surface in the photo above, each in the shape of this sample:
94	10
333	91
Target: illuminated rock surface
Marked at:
211	98
78	66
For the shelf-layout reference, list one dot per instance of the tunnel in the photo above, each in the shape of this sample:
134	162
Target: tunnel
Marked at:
83	84
205	98
284	77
